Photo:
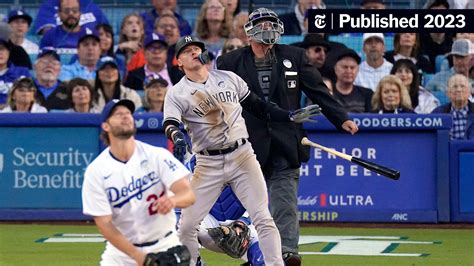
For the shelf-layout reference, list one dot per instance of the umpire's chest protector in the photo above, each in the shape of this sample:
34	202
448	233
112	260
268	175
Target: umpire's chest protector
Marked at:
284	90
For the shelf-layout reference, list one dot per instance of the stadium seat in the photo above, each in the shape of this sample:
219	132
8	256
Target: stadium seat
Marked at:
441	63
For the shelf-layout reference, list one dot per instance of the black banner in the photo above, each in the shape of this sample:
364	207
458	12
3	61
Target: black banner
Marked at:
390	20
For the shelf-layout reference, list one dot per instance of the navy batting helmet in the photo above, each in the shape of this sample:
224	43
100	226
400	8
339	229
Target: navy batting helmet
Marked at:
259	31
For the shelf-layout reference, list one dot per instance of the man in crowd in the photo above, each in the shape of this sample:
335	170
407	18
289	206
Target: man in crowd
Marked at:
294	21
462	52
156	49
20	22
65	37
375	67
88	53
460	108
355	99
52	93
160	6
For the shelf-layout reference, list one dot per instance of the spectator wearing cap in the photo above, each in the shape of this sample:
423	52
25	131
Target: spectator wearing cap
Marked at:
19	22
407	46
294	21
462	52
160	6
81	97
88	52
154	98
316	50
372	4
18	55
156	66
460	108
354	98
65	37
8	72
108	84
375	67
48	15
51	91
22	98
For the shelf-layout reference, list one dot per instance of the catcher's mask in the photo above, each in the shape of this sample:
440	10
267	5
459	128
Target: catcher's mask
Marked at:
264	26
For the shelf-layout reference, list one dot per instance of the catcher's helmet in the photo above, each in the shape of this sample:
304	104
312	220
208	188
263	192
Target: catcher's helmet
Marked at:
260	32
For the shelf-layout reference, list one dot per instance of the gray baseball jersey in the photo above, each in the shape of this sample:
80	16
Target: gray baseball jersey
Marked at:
211	112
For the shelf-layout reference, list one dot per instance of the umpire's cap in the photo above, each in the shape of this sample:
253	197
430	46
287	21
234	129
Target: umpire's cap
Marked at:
187	40
110	106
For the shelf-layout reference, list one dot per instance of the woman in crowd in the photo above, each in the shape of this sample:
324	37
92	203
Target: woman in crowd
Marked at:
154	98
407	46
22	98
108	84
81	96
213	25
132	35
391	97
232	44
107	46
423	101
238	24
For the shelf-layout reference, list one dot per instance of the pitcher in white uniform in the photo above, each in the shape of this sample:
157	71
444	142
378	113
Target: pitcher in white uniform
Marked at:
127	189
209	104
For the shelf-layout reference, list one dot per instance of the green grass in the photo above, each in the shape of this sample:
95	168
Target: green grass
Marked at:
18	247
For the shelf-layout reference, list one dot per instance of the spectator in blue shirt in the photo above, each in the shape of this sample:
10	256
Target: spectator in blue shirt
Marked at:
48	17
8	72
150	16
88	51
65	37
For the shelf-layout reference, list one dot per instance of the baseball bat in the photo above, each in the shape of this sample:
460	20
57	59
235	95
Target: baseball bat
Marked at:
379	169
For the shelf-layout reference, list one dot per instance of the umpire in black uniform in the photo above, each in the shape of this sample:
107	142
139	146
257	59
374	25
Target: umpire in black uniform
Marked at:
280	73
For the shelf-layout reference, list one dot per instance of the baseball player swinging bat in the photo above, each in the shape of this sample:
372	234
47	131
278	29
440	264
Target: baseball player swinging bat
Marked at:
379	169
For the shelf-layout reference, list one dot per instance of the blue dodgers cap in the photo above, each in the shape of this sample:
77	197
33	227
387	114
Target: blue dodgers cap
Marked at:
19	13
106	60
109	107
48	50
155	37
87	32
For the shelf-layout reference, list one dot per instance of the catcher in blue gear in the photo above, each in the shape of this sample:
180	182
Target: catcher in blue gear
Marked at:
228	229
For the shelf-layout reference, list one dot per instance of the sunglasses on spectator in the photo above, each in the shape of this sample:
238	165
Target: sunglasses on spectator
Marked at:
231	47
320	49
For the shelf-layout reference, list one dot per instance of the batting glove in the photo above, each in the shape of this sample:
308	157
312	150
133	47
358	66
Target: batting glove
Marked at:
305	114
179	147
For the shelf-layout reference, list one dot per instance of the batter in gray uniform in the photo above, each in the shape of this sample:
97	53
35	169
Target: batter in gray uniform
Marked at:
209	104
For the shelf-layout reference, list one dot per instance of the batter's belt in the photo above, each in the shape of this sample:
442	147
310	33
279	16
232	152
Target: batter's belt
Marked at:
230	149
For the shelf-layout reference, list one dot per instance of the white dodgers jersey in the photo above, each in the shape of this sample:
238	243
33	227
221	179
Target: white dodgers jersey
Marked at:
128	190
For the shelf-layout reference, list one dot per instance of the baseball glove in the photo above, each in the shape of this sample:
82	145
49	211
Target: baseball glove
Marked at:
178	255
233	243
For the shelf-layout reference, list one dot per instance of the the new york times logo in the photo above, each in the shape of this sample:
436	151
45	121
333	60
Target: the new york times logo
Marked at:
390	20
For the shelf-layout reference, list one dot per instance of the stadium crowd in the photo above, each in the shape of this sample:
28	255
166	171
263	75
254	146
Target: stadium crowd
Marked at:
77	42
